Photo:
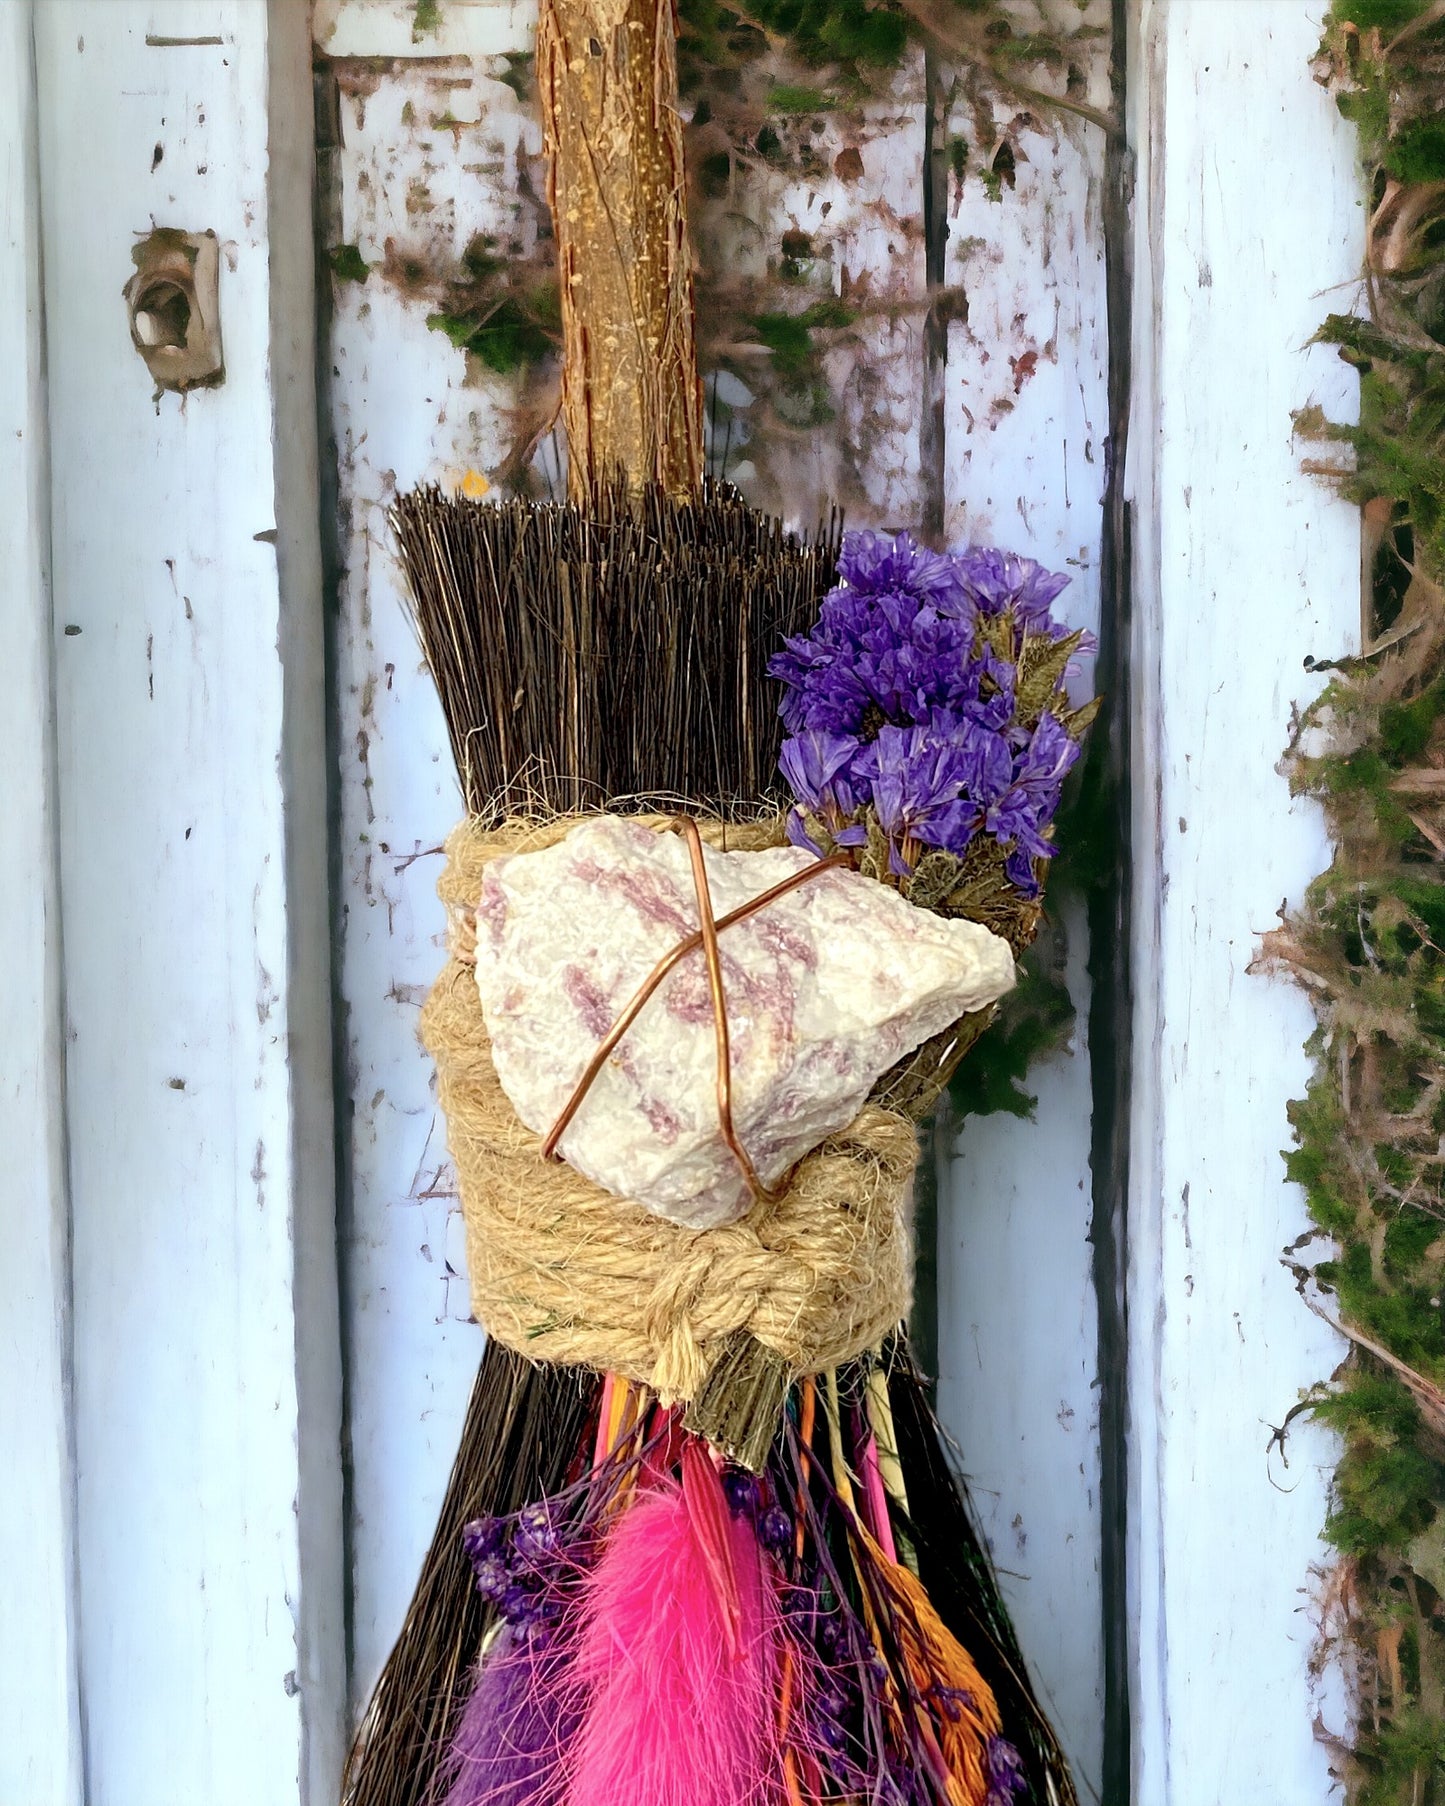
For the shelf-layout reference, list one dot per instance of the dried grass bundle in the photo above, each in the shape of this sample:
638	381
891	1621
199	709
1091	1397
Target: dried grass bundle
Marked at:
586	655
523	1425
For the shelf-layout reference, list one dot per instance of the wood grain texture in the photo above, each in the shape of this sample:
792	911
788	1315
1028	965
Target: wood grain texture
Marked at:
1249	214
40	1751
198	1060
631	398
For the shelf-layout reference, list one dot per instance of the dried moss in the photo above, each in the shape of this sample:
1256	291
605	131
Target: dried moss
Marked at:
1369	942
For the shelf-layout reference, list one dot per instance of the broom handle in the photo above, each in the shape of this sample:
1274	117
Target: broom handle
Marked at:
631	395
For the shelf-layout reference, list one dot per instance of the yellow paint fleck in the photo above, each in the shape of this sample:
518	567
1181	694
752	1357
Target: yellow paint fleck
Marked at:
474	485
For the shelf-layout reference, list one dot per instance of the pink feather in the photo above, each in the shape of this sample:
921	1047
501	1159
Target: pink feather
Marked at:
680	1648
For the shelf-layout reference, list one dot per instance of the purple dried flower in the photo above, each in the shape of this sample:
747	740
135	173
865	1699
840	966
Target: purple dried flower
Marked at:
816	765
519	1603
932	784
824	691
913	776
898	704
536	1538
740	1490
997	580
1027	807
871	562
818	768
493	1576
987	693
887	654
483	1536
775	1528
1007	1781
1019	870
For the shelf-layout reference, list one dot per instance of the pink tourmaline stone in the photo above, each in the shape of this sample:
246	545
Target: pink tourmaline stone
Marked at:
826	989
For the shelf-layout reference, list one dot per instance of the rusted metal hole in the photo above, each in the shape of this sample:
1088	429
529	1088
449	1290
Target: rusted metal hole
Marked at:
163	315
174	304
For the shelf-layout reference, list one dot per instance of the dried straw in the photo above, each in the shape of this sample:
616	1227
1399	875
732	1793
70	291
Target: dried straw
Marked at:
523	1426
586	655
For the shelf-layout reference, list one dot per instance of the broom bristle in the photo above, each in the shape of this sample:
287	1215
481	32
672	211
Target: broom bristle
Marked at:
524	1424
612	654
958	1575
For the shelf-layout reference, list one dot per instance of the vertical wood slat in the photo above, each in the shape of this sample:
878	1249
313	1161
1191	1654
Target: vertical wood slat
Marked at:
1249	229
192	861
40	1753
402	411
1025	429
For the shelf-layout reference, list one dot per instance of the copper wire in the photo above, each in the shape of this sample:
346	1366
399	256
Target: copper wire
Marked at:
706	938
713	959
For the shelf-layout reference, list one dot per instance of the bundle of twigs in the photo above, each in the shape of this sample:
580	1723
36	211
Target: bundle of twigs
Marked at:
612	653
523	1425
587	655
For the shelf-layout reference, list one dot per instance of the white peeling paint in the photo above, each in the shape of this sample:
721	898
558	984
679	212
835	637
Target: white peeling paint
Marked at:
40	1753
196	1055
1250	209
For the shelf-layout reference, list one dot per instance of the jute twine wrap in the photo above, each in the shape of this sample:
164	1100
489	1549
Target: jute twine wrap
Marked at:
562	1270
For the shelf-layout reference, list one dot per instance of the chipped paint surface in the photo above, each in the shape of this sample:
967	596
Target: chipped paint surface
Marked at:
203	1373
406	408
439	153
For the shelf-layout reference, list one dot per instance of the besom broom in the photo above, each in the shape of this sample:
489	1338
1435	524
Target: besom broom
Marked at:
801	1578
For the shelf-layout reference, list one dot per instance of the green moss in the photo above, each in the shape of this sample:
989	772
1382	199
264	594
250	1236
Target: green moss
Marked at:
1368	107
1406	727
480	259
785	99
1370	939
1001	172
426	20
789	337
1032	1022
1417	154
829	31
506	338
347	263
1389	15
516	73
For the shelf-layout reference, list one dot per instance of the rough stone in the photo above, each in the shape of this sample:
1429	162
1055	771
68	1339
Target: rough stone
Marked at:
826	990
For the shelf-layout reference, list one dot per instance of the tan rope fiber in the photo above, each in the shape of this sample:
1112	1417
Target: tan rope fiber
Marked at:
562	1270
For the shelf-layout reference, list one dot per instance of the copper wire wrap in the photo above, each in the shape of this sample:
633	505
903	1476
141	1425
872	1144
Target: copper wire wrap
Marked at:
706	938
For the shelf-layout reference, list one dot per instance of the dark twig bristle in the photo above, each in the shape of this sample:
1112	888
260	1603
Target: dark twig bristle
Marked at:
612	654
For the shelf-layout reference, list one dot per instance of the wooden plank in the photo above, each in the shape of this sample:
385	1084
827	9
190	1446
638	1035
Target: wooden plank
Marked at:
1250	209
1025	429
404	407
305	776
388	28
40	1754
198	1060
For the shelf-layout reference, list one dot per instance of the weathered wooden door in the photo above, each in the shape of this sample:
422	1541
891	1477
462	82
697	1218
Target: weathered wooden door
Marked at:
901	309
235	1361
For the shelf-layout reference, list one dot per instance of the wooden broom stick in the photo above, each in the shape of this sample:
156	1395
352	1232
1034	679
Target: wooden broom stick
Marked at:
631	394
